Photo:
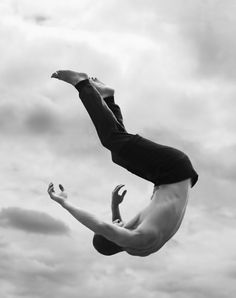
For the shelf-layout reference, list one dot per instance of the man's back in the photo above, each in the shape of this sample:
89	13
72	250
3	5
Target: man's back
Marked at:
161	218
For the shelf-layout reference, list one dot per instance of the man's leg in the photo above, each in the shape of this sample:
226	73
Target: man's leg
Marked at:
125	148
110	101
110	131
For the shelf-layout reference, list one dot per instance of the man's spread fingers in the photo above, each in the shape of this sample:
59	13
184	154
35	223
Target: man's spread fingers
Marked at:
115	188
124	193
50	185
61	187
119	186
51	189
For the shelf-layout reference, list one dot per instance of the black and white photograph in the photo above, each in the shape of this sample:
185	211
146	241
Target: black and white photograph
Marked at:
117	149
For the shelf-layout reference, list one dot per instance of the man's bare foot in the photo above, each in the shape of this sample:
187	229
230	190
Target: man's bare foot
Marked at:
104	90
69	76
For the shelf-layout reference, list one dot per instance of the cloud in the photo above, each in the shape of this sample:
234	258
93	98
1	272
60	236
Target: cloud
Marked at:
209	34
39	19
41	123
40	120
34	265
32	221
33	118
172	67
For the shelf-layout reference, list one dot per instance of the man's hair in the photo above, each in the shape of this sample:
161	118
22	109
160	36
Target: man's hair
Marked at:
105	246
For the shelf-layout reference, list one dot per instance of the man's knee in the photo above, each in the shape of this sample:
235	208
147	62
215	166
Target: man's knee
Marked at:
115	140
111	141
106	142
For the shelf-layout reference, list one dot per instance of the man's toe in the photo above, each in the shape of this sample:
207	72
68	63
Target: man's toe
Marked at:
55	74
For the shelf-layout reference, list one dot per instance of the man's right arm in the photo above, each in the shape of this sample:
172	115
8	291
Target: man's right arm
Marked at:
115	202
119	235
115	212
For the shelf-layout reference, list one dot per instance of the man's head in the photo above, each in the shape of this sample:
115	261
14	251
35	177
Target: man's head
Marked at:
105	246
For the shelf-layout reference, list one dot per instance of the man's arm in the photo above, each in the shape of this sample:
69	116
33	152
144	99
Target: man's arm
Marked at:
119	235
115	212
116	200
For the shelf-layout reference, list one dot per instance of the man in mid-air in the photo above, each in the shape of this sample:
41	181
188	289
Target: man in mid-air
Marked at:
169	169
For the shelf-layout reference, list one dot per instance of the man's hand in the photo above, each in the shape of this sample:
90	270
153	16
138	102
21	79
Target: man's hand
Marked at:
116	198
60	197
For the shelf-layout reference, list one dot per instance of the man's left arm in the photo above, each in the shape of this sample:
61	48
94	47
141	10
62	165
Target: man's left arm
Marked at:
114	233
119	235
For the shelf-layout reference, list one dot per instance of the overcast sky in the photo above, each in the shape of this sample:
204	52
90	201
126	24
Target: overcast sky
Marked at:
174	70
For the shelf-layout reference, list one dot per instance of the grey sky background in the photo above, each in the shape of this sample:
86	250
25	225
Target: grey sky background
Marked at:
173	66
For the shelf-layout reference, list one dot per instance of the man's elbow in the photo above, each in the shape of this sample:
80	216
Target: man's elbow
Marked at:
107	231
100	228
124	237
133	239
142	239
118	235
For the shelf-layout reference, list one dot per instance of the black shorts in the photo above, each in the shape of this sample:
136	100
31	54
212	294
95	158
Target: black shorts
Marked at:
156	163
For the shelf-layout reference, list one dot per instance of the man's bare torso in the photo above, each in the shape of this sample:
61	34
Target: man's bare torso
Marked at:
161	218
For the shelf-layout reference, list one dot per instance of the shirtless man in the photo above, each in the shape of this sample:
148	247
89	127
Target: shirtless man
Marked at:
169	169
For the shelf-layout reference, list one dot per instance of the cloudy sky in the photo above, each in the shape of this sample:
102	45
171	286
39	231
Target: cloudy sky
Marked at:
174	70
